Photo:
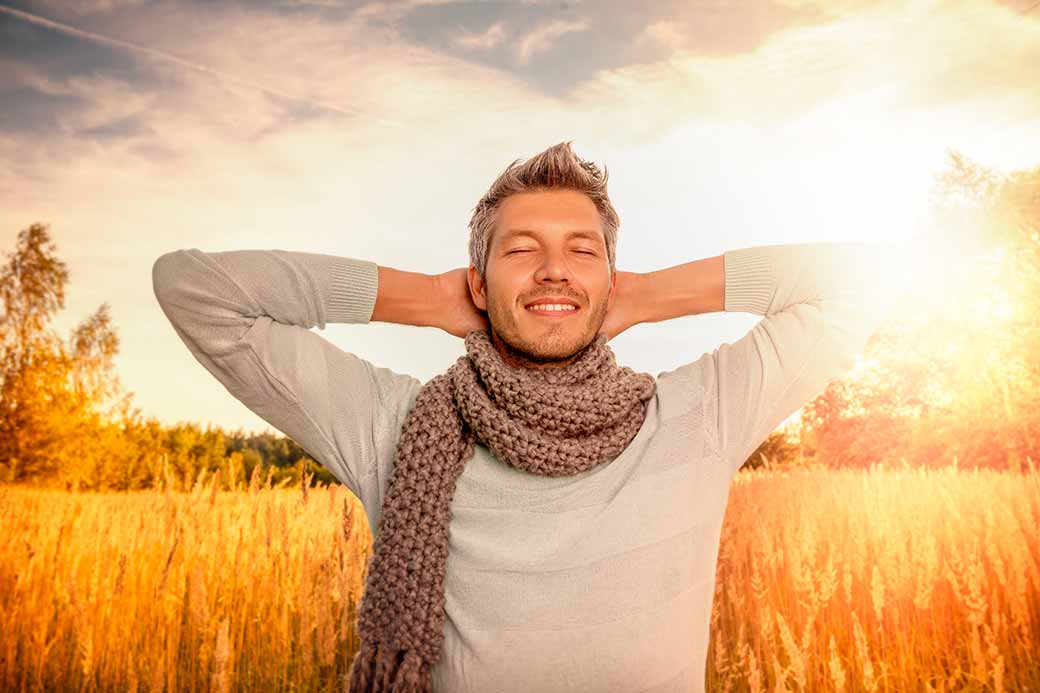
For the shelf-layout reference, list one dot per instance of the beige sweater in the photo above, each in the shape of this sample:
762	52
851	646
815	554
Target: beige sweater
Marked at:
602	581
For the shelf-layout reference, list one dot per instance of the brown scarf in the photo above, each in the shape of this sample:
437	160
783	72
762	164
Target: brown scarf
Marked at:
553	421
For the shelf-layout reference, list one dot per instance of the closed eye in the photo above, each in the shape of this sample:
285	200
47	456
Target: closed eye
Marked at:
585	252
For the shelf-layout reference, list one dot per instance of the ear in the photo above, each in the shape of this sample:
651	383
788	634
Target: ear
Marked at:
613	289
477	288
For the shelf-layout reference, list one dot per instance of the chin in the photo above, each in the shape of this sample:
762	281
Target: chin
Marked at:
558	344
554	345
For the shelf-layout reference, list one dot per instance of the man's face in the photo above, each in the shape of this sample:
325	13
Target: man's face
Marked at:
551	260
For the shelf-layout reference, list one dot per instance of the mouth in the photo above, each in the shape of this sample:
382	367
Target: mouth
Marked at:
552	312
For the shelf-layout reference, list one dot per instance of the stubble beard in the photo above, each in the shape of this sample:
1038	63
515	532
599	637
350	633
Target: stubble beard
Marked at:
556	346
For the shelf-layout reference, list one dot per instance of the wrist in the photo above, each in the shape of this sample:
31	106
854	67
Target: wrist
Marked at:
691	288
640	298
437	299
406	298
632	294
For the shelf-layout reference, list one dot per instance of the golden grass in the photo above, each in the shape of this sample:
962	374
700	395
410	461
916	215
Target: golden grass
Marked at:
827	581
152	591
879	580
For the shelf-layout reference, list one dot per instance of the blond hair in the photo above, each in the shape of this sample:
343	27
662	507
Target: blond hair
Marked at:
556	168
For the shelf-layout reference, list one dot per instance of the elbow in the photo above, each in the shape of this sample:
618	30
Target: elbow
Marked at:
846	345
851	320
164	274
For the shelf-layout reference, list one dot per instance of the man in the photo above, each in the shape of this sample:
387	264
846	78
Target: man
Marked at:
567	560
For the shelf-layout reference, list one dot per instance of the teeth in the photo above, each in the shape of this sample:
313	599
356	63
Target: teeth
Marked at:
547	306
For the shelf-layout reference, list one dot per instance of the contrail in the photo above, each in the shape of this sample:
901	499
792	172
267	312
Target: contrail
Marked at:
73	31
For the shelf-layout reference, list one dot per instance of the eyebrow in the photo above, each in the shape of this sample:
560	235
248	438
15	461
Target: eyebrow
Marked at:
512	233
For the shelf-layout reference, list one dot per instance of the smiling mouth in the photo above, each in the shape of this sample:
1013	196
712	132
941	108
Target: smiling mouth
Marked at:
551	313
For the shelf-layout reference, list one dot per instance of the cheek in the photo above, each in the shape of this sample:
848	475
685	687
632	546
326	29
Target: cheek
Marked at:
505	293
498	301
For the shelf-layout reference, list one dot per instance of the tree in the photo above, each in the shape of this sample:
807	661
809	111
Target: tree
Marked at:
777	450
957	375
51	391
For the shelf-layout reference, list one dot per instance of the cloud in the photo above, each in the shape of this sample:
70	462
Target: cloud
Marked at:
310	3
493	36
81	8
665	32
390	11
949	64
917	56
166	56
265	73
557	46
271	94
542	38
104	100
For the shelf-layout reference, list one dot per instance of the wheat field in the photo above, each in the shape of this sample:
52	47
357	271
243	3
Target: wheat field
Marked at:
879	580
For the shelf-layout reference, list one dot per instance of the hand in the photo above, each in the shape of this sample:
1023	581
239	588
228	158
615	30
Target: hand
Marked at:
624	313
458	315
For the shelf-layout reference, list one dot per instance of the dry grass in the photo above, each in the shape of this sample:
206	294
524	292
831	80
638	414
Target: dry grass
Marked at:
152	591
844	581
883	580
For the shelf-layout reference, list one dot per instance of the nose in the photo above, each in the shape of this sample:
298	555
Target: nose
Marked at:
553	267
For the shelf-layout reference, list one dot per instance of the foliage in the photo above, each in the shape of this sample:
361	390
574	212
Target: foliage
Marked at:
51	390
63	419
779	449
955	376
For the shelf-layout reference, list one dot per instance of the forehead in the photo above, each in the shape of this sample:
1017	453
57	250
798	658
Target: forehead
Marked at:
510	234
549	215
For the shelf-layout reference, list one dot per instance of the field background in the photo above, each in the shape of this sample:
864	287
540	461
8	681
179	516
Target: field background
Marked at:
884	539
828	580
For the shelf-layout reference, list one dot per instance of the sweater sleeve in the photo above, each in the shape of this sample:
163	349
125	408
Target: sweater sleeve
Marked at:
821	302
246	317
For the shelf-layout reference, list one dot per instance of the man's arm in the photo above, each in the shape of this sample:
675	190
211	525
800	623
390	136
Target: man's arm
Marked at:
821	302
246	317
688	289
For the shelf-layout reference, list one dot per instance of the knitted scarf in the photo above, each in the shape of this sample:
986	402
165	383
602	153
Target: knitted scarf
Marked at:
552	421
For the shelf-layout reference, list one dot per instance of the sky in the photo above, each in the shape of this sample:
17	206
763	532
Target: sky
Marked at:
371	129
